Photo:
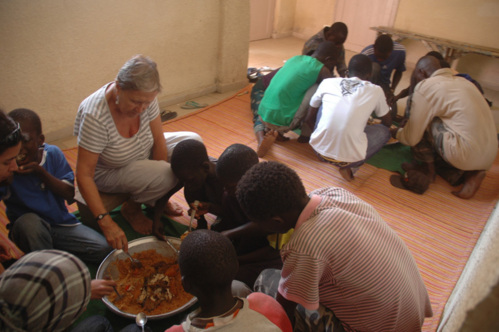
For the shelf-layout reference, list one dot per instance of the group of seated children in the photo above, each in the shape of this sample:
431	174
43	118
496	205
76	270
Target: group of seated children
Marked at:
212	183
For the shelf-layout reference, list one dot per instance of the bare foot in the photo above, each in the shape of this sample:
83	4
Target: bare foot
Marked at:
173	209
472	182
346	173
266	143
132	213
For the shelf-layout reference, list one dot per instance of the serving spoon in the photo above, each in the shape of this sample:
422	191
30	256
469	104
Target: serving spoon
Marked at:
141	320
135	262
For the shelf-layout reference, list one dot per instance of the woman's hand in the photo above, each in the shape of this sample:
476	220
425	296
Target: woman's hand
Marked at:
115	236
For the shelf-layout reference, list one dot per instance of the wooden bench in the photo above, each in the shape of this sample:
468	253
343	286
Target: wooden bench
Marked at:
450	49
110	201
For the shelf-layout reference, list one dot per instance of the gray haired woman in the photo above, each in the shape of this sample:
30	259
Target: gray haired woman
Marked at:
122	149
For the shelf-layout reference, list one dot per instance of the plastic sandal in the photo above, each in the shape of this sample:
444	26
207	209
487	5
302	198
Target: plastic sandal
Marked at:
192	104
167	115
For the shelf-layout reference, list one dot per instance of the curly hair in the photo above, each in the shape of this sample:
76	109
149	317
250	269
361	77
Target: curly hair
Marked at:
235	161
188	154
7	128
269	189
208	259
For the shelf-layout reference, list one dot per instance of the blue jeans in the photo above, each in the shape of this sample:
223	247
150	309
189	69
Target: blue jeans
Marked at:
30	233
377	136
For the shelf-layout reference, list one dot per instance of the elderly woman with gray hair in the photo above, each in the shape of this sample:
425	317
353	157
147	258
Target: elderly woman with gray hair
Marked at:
122	149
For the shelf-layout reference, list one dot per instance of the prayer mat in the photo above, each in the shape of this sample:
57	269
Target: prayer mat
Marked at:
390	157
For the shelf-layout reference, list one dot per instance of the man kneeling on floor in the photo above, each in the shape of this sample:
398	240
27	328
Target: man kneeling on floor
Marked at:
344	268
342	136
450	129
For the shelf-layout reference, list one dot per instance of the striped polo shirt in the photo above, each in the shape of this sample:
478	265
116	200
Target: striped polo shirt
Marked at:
96	131
345	257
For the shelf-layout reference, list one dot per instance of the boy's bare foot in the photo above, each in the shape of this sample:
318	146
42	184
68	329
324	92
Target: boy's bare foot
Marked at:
132	212
268	140
173	209
472	182
346	173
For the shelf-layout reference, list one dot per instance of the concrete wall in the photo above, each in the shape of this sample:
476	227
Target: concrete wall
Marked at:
312	16
54	53
475	22
467	21
284	19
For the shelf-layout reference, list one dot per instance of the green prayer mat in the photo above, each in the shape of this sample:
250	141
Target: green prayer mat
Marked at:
97	307
391	157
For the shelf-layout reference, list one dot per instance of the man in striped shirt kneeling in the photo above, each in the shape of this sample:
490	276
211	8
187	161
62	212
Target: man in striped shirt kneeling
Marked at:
344	268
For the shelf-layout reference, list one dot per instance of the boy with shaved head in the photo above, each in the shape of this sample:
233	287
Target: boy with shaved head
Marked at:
208	264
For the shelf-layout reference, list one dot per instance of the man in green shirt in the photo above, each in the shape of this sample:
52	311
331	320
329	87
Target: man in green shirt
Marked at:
285	102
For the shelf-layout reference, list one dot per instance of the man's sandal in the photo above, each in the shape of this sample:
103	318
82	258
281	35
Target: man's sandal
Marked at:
167	115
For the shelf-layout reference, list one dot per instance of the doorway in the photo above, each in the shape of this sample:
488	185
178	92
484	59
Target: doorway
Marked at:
261	19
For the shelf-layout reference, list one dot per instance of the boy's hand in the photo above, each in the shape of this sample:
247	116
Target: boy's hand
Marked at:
100	288
158	230
202	209
29	168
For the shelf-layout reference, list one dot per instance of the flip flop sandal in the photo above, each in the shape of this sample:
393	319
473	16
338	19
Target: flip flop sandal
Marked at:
167	115
192	105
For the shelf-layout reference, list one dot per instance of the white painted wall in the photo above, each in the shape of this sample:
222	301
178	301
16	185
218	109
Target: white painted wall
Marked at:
471	21
54	53
466	21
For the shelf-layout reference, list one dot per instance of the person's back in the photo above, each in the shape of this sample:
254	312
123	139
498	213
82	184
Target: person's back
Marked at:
463	110
208	264
287	89
348	102
372	272
342	261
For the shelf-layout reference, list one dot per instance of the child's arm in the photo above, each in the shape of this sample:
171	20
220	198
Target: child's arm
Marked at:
59	187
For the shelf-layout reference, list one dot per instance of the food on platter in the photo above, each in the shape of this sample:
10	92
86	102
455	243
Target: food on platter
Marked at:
154	289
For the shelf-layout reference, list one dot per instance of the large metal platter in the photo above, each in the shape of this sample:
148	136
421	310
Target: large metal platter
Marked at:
138	245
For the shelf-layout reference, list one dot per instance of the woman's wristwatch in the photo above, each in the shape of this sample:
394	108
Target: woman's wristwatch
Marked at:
101	216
